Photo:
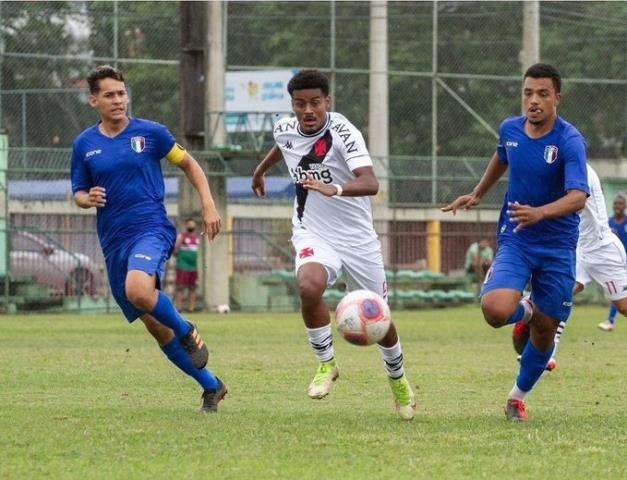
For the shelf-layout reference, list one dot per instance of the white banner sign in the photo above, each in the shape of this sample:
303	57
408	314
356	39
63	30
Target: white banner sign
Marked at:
251	97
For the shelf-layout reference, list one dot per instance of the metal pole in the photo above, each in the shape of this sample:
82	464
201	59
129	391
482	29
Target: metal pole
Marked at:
116	27
332	54
23	121
434	106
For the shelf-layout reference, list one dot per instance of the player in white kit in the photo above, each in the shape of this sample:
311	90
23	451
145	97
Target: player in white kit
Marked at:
332	224
600	257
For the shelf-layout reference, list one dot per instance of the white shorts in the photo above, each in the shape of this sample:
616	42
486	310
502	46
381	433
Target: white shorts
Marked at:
607	266
362	265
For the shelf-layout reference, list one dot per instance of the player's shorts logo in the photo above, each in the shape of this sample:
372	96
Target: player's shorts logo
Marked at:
488	275
138	144
306	252
550	153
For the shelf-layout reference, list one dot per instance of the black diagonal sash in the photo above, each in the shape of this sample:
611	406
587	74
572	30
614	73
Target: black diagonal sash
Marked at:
317	153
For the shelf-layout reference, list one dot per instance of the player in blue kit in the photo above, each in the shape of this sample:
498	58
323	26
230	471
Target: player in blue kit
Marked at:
116	169
538	227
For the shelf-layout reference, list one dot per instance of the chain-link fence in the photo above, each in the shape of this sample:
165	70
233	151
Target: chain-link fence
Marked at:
454	74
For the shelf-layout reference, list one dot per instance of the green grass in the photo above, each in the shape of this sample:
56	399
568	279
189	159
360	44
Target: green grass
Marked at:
90	397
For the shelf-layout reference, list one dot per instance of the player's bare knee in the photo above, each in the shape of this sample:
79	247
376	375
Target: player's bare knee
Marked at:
311	289
141	297
495	314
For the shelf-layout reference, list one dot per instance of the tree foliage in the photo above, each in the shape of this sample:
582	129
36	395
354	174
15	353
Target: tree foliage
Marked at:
478	46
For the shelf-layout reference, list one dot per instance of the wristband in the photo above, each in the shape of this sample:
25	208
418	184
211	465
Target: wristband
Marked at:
339	189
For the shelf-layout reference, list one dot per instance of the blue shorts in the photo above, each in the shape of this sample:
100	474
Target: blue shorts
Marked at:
149	254
551	271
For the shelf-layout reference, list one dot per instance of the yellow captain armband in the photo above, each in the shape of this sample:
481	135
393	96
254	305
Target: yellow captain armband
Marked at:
176	155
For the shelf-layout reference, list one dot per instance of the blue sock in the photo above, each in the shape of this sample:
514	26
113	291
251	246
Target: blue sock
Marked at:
612	315
179	357
166	313
532	364
518	315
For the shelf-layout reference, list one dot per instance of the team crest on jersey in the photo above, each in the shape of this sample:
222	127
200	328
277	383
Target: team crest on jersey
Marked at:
550	153
138	144
321	148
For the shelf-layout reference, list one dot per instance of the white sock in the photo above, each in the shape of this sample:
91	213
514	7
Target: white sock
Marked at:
517	394
393	360
528	311
558	337
321	340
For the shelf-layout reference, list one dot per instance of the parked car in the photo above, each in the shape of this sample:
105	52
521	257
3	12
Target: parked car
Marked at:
62	271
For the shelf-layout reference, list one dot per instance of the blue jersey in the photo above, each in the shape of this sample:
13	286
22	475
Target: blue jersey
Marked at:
541	171
128	166
620	229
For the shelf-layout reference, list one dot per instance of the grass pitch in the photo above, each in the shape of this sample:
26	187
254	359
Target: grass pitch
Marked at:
90	397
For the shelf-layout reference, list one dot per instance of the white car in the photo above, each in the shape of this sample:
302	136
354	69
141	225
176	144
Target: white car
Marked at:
63	272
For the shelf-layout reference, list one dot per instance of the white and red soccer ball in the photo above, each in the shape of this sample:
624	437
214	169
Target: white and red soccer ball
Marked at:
363	317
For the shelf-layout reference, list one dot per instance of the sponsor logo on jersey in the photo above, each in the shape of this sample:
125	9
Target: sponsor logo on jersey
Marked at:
141	255
138	144
509	143
288	145
91	153
567	304
345	134
317	171
550	153
283	127
306	252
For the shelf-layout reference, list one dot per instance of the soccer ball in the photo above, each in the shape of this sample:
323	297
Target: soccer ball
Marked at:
223	309
363	317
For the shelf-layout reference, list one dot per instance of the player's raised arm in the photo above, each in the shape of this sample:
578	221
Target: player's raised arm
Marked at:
212	223
273	157
495	170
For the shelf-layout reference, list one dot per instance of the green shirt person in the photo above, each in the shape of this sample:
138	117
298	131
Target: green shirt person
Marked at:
186	251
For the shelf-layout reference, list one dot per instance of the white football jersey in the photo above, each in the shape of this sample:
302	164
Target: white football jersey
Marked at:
594	230
330	155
